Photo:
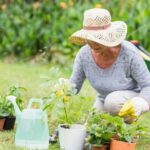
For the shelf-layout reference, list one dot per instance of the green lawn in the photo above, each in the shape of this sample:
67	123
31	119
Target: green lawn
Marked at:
28	76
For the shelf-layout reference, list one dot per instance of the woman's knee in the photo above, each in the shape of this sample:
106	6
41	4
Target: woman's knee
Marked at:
113	102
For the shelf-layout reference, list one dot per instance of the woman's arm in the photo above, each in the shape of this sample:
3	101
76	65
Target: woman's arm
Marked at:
140	73
78	75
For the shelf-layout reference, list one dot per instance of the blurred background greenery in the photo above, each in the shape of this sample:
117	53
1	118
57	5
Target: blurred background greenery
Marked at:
39	30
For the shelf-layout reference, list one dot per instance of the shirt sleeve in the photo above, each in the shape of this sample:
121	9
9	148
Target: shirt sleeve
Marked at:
78	75
141	74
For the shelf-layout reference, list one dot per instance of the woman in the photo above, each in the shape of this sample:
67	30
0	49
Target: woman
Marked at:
112	65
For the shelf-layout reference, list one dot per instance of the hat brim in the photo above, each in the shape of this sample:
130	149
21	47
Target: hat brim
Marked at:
111	36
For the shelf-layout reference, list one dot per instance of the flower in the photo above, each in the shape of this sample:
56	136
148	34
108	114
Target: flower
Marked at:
36	5
98	6
66	98
71	2
59	93
63	5
4	7
63	90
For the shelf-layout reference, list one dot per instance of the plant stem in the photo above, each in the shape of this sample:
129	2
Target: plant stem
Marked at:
65	111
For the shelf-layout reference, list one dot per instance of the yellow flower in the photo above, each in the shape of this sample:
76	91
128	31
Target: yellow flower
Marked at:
98	6
63	5
36	5
60	93
71	2
66	98
4	7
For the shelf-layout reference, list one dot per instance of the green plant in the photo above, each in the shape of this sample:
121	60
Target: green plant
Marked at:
100	129
60	98
3	107
6	106
17	91
129	132
76	111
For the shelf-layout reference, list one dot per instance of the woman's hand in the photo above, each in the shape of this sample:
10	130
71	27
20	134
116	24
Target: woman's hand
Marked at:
128	109
134	107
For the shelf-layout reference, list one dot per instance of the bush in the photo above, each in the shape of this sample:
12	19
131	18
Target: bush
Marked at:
43	27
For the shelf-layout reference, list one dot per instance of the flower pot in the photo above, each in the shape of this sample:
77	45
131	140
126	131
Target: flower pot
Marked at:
9	123
72	138
120	145
104	147
2	121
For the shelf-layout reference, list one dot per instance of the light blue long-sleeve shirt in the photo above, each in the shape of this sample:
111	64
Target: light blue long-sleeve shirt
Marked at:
128	72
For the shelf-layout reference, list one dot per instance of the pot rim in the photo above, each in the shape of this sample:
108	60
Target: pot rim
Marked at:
122	141
10	117
81	127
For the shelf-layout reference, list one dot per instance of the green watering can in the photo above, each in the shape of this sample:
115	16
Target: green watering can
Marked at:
32	125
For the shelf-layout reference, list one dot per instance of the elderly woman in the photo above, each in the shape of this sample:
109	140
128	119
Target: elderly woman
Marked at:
112	65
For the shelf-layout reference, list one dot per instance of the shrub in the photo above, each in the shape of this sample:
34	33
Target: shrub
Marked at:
29	28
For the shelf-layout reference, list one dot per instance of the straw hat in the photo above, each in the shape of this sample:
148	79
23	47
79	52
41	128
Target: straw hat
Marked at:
97	27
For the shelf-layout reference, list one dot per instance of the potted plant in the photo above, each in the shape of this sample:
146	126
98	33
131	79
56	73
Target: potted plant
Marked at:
71	136
100	130
9	109
3	113
10	118
126	134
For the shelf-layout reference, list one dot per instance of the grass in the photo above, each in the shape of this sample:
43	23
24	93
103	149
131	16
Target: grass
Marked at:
28	75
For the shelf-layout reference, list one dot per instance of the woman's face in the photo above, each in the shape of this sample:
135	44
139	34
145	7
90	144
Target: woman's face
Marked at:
101	48
96	46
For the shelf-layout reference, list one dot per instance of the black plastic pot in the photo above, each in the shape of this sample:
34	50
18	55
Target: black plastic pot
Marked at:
9	123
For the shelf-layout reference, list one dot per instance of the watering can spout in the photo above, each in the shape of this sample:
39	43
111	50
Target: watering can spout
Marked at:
12	99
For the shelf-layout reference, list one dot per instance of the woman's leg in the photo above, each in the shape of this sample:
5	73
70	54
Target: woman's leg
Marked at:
115	100
98	105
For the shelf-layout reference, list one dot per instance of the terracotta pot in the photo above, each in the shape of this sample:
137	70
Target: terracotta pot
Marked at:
120	145
104	147
2	121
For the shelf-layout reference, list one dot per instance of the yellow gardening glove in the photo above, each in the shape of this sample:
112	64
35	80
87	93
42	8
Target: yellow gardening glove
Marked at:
128	110
134	108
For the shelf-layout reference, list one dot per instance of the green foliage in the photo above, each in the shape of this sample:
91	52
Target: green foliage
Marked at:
130	132
25	30
35	28
61	95
15	91
102	127
43	28
6	107
3	108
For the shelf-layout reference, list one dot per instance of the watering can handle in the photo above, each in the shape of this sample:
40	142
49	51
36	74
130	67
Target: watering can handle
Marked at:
34	100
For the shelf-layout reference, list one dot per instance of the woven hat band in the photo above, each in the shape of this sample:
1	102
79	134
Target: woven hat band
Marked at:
96	27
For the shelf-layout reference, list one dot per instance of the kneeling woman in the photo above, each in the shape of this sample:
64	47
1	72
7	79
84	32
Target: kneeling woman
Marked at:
112	65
